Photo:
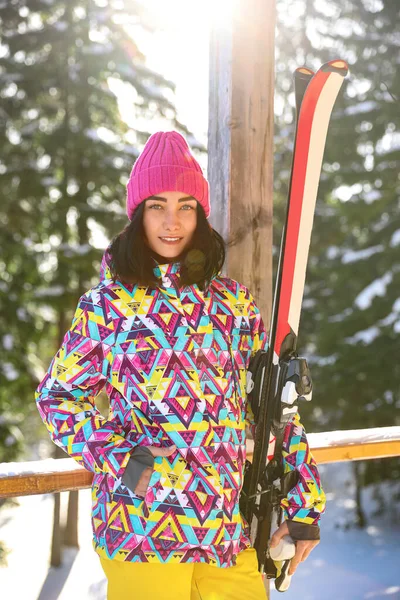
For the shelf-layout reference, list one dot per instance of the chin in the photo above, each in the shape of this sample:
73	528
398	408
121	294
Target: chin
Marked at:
167	253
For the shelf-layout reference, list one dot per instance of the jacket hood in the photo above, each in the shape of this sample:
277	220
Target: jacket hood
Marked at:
105	272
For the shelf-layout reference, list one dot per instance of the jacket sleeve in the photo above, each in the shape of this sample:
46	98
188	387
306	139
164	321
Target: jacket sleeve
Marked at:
65	396
305	499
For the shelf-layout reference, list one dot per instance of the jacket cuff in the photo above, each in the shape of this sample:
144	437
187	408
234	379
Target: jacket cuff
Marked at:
141	458
303	531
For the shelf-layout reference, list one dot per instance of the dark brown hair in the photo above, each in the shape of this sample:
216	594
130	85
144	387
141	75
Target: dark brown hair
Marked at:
133	260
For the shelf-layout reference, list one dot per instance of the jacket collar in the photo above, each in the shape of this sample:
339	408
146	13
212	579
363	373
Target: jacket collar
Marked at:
166	269
169	273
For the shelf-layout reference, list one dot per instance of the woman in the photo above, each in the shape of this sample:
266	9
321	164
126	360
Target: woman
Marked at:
170	339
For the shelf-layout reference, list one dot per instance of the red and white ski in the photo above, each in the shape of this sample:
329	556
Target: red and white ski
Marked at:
279	378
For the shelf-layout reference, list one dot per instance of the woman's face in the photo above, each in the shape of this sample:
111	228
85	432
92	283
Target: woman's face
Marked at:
169	221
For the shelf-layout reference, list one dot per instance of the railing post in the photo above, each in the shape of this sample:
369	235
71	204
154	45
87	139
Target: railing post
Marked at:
71	527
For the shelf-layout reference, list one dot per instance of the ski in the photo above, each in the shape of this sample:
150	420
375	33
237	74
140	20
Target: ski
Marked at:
279	378
302	77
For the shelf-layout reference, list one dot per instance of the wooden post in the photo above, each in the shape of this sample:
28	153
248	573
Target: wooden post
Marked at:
240	143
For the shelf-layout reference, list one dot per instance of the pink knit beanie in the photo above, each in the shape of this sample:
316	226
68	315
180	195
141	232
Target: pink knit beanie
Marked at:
166	164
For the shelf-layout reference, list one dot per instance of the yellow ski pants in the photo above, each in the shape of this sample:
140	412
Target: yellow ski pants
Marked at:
185	581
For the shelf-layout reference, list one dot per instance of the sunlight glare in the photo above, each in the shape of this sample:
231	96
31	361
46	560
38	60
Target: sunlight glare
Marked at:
178	49
190	14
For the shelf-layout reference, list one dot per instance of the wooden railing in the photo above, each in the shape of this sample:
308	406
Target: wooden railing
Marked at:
61	475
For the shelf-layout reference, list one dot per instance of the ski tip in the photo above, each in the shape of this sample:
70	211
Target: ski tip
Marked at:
336	66
304	71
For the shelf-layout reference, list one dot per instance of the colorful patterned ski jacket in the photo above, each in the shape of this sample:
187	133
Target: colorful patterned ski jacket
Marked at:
173	363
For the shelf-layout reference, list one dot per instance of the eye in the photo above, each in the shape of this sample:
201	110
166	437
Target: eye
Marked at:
155	206
188	206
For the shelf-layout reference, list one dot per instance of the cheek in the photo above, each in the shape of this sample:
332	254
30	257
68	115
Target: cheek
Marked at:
190	221
150	222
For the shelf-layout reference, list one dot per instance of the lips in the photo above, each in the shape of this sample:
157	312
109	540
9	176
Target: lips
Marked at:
170	240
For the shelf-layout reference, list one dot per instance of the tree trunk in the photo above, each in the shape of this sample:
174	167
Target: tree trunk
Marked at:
56	542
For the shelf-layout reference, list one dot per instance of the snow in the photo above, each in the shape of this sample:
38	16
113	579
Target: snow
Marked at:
154	91
8	341
390	142
346	192
348	564
392	316
350	256
97	49
373	6
395	239
80	575
361	107
60	25
22	314
381	224
29	128
108	136
309	303
340	316
332	252
322	361
367	336
376	288
70	250
372	196
44	465
55	290
92	134
129	149
11	77
47	181
11	374
353	436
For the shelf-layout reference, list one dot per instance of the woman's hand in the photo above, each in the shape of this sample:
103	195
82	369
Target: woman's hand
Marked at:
303	547
145	477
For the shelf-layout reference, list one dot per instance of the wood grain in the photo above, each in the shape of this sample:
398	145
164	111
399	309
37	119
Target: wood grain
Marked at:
240	143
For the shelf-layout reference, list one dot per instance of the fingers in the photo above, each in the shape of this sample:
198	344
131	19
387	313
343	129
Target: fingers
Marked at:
303	549
143	482
162	451
310	547
279	533
297	558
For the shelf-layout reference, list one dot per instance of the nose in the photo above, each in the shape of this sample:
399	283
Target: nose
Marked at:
171	221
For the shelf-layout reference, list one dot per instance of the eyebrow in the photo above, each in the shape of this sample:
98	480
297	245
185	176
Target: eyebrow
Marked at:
165	200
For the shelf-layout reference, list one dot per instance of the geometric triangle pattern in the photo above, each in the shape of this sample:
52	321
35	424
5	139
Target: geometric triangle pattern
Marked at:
172	360
306	501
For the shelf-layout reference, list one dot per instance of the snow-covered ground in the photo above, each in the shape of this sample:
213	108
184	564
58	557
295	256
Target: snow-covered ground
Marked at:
346	565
